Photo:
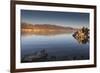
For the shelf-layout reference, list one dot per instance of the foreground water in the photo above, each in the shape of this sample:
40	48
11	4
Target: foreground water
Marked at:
57	47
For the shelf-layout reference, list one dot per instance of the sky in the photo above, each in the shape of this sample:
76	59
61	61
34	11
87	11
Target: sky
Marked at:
70	19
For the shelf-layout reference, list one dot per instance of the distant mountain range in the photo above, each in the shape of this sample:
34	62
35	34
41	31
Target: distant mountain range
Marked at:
45	28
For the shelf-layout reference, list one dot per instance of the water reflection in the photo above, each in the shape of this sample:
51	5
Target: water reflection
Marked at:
44	33
82	41
48	47
43	55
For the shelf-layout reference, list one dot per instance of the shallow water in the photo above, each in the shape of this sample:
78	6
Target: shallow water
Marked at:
61	46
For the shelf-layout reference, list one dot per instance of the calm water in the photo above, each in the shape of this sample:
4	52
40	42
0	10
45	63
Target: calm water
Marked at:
58	47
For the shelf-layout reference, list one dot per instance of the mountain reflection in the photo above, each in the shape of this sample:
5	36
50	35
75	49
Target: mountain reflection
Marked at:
81	35
45	34
44	29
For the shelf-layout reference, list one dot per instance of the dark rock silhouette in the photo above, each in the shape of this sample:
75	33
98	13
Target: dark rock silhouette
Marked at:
82	35
36	56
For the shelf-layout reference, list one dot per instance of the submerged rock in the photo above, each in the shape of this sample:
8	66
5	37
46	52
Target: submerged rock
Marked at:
35	56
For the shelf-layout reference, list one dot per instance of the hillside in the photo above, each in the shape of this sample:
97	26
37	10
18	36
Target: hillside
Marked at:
45	28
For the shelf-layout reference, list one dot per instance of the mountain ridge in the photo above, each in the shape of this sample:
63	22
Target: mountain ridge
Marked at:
43	26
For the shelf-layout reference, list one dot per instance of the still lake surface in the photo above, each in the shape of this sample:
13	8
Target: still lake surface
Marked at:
60	46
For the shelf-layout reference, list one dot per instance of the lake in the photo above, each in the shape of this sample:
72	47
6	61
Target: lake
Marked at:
58	47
